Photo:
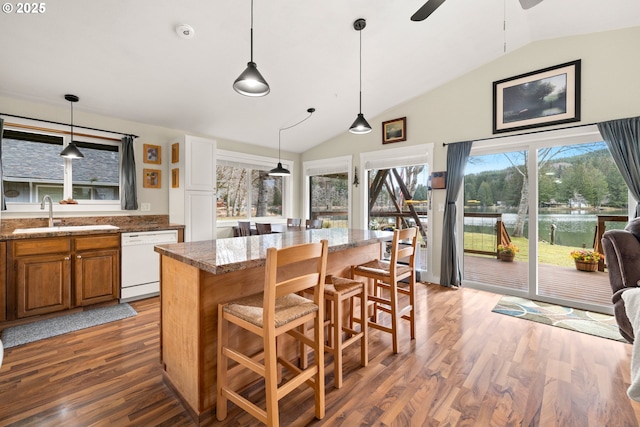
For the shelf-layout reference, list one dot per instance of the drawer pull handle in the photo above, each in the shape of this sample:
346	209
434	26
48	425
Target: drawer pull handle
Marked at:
79	256
66	258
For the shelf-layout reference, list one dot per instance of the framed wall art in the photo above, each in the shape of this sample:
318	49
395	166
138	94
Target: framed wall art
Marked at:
152	154
175	152
152	178
394	130
175	178
540	98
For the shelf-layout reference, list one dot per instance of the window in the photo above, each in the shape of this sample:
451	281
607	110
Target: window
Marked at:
328	191
32	167
245	188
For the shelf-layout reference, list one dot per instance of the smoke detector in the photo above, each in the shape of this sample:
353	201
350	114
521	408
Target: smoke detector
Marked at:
185	31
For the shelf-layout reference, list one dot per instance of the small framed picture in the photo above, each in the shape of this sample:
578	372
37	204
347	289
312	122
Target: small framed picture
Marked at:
175	178
152	154
152	178
394	130
175	152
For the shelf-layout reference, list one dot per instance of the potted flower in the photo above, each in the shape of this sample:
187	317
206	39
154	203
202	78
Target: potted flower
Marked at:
586	259
507	252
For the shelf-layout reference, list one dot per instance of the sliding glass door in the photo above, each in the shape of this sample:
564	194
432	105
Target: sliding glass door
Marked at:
544	198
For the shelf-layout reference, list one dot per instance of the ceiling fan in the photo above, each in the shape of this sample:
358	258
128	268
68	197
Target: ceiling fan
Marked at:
431	5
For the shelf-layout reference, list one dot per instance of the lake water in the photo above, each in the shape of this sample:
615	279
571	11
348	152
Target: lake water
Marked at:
573	227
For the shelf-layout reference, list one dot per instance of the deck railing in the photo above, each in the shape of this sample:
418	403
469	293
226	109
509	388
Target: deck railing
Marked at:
501	235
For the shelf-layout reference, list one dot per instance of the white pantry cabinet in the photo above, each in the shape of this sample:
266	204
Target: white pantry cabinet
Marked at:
193	201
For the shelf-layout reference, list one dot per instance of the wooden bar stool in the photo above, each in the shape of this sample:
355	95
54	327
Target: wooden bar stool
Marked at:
275	312
337	290
386	275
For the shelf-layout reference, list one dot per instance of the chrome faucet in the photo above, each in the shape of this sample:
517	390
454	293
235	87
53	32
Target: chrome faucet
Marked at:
44	199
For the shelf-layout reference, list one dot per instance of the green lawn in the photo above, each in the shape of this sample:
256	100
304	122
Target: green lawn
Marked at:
547	254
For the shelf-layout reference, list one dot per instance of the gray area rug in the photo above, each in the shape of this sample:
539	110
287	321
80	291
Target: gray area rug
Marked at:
18	335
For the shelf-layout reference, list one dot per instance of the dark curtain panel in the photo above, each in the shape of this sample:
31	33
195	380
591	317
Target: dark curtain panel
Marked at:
457	156
128	175
623	140
3	204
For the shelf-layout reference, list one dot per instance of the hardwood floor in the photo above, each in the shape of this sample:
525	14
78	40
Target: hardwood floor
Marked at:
467	367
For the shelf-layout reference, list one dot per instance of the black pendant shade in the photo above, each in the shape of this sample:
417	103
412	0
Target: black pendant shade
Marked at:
360	125
251	82
71	150
280	170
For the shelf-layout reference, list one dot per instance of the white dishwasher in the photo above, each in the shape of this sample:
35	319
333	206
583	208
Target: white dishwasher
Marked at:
141	264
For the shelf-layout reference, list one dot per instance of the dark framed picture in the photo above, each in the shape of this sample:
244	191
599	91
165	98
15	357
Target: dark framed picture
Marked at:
152	178
394	130
152	154
540	98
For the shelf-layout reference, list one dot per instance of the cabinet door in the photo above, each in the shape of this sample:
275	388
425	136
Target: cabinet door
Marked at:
97	276
200	157
200	208
43	284
3	281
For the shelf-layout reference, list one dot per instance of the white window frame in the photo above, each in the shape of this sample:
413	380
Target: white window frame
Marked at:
421	154
269	163
84	205
327	166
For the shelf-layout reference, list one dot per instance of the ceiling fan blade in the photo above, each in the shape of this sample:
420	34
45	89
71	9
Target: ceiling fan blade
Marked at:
528	4
427	9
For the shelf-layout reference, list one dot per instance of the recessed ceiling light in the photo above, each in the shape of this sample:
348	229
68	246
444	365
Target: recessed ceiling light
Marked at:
185	31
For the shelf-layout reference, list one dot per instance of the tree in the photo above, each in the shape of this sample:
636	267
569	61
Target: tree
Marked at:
519	161
484	194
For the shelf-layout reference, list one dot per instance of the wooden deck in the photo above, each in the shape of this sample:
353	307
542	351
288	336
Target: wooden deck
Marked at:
556	282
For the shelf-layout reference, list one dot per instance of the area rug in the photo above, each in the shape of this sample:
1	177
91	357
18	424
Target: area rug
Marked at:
588	322
22	334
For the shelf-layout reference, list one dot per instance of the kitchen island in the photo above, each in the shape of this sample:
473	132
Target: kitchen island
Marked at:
197	276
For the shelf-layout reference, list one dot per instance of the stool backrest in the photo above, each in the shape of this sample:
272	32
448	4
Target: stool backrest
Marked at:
282	277
403	246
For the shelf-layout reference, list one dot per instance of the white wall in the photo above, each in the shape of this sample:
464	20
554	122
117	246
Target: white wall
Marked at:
148	134
462	109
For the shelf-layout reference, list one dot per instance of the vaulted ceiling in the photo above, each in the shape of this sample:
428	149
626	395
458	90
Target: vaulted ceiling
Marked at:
124	58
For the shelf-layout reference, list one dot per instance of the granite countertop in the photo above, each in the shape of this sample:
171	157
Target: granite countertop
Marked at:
236	253
125	224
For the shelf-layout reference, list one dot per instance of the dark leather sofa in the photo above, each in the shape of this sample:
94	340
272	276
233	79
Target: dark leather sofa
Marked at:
622	256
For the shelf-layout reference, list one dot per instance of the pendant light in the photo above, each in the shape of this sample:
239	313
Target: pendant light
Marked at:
251	82
71	151
360	125
280	170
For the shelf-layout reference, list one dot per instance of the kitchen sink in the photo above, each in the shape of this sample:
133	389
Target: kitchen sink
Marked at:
63	228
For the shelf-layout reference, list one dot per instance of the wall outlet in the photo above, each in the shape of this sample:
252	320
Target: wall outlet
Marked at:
440	207
145	207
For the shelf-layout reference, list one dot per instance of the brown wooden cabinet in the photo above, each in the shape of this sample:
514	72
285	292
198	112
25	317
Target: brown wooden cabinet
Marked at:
96	269
43	284
58	273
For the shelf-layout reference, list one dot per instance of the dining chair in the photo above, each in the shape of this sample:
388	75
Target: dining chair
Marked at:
313	224
244	228
386	276
276	311
293	222
263	228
